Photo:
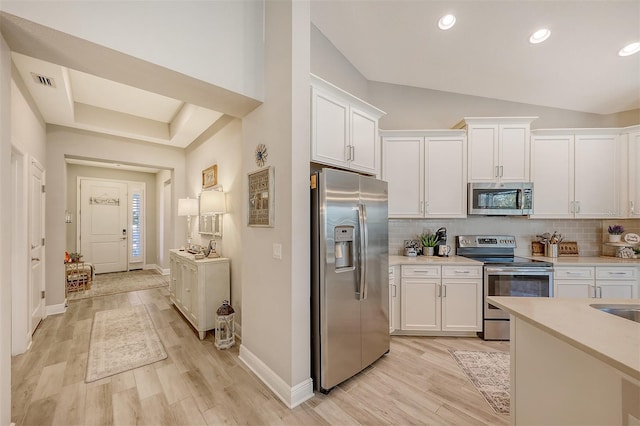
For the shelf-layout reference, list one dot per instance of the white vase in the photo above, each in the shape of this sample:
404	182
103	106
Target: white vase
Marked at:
615	238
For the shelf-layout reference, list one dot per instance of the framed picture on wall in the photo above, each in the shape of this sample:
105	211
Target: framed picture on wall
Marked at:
262	198
210	176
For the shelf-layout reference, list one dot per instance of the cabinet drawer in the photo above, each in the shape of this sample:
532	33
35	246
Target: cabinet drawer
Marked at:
462	272
423	271
573	273
616	273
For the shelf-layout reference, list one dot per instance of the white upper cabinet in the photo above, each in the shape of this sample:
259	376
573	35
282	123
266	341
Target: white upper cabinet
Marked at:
498	148
344	129
426	173
552	176
577	173
632	142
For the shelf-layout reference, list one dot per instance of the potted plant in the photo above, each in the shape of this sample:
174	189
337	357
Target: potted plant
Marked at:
429	241
615	233
75	257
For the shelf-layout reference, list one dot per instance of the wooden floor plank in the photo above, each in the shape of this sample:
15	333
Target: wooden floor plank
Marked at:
418	382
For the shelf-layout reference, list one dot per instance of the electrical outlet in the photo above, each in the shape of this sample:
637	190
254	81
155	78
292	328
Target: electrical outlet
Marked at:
277	251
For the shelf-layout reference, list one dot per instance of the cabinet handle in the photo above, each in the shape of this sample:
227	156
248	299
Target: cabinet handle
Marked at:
444	291
600	292
462	272
632	207
617	273
577	206
426	207
421	206
353	153
439	291
496	172
347	152
593	291
394	290
501	171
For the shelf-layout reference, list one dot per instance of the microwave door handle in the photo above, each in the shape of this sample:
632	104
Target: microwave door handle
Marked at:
364	241
520	201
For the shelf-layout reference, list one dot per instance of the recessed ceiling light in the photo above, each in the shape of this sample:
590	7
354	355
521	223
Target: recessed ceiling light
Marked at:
446	22
539	36
630	49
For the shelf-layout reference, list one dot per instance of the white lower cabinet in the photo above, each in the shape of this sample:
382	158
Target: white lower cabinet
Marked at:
394	300
441	298
198	287
601	282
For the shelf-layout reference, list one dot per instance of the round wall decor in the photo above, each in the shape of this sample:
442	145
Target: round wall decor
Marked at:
261	155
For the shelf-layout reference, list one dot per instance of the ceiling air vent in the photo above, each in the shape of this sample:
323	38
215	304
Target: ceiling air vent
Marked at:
43	79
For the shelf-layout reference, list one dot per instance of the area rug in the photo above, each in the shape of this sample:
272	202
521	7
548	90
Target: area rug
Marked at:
121	340
121	282
489	372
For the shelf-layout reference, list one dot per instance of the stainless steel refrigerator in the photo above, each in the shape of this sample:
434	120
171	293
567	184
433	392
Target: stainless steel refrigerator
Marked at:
350	275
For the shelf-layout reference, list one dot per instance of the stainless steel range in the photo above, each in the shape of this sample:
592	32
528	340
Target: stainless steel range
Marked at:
504	275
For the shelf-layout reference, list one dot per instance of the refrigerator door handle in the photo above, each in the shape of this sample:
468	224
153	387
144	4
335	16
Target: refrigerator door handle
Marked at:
364	242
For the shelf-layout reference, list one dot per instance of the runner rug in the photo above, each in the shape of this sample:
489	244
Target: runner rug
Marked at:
489	372
121	340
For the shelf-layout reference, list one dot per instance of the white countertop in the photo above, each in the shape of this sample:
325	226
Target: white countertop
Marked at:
613	340
432	260
587	260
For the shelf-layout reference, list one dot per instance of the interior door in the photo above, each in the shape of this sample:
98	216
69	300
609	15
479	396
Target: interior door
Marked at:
103	224
36	241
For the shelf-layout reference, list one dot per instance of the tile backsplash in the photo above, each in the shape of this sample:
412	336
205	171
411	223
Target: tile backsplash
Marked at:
588	233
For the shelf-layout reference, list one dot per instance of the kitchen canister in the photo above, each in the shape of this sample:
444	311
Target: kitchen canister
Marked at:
551	250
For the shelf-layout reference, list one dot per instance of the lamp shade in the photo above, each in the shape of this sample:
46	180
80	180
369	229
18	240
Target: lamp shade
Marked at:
187	207
212	202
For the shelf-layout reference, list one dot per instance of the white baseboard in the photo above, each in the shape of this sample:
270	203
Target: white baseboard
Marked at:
60	308
160	270
290	396
238	331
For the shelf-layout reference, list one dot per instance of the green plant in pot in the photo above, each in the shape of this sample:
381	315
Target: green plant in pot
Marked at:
429	241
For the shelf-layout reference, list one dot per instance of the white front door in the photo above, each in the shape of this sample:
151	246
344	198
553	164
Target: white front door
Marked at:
36	240
103	224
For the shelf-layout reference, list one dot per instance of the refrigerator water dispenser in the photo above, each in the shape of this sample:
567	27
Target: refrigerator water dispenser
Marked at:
343	237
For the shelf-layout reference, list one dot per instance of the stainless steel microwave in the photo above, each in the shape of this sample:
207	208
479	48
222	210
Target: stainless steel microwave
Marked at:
501	199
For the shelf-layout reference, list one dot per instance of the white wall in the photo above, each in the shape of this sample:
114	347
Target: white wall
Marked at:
63	141
5	234
218	42
414	108
165	219
223	148
275	293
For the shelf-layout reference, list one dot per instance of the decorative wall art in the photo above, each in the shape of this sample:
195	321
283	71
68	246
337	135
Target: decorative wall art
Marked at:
261	198
104	200
210	176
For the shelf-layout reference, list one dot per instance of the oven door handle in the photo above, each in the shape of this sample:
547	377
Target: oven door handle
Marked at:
540	271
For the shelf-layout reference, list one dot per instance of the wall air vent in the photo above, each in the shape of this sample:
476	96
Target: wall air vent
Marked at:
43	80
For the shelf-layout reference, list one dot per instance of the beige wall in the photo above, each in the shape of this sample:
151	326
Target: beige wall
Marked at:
224	148
5	234
275	293
151	224
63	141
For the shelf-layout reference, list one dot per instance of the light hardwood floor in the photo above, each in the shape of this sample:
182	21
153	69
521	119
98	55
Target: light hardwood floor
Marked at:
418	382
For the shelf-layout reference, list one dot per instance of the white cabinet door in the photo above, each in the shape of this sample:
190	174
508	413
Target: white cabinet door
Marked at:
597	176
552	176
402	164
461	305
514	153
365	155
574	289
483	153
189	289
329	129
394	300
445	177
420	304
616	290
173	277
634	175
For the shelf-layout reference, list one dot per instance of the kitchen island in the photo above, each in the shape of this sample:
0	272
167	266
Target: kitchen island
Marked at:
572	364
